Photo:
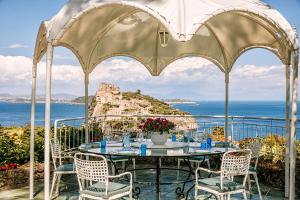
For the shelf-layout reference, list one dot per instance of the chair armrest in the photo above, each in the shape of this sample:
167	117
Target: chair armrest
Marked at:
122	174
206	170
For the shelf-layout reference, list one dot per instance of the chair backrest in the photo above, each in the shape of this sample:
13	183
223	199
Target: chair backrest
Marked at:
236	163
56	153
255	145
91	167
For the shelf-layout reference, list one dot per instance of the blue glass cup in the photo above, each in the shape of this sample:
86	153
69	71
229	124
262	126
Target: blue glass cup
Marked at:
143	149
103	144
103	150
174	138
209	143
203	145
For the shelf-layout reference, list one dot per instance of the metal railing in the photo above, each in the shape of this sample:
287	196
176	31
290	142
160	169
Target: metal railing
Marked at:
71	132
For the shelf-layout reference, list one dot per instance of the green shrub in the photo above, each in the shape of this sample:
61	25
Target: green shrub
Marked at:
15	145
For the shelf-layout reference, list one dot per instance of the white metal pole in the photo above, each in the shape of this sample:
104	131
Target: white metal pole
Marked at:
47	123
226	105
287	118
293	147
86	104
31	165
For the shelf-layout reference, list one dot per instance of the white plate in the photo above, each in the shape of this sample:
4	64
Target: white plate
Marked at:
202	151
168	145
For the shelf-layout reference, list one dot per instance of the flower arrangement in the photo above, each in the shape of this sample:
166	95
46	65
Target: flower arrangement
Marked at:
156	125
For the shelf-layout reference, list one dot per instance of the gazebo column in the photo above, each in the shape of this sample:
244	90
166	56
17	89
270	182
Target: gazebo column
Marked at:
86	106
32	126
287	118
47	123
293	147
226	104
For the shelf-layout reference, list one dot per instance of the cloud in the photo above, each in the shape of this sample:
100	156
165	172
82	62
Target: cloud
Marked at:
192	78
17	46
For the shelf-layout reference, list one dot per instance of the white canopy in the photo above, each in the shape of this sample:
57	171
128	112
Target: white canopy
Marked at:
219	30
157	32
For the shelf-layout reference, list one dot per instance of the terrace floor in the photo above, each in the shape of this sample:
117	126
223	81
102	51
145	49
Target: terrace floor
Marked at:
69	188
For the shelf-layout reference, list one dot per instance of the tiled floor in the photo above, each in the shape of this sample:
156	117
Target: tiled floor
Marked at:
69	188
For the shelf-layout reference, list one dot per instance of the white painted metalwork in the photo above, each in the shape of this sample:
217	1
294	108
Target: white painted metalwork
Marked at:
47	122
287	116
234	163
32	126
60	167
292	146
92	169
86	105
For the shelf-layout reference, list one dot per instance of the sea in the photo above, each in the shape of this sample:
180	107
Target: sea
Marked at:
18	114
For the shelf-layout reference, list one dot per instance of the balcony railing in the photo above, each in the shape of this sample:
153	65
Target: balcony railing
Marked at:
71	132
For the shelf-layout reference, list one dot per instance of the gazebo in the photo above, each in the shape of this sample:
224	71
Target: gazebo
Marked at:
158	32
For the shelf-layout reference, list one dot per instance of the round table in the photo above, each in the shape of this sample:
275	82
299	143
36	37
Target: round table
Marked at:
186	151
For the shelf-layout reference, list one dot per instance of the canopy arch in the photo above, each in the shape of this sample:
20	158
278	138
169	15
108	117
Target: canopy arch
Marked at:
97	29
271	50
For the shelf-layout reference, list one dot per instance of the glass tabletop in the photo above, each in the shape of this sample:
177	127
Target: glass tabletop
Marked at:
171	149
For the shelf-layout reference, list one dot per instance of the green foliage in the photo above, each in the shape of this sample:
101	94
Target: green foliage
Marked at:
15	145
273	147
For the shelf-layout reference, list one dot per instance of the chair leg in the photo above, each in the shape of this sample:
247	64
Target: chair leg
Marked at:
245	195
221	197
113	171
133	164
196	192
178	163
53	184
208	164
130	195
123	166
57	184
257	184
178	167
249	182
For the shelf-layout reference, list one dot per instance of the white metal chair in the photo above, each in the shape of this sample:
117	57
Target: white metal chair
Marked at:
255	146
234	163
58	156
94	179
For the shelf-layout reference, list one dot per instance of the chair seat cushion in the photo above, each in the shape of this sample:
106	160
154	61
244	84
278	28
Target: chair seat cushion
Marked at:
214	183
98	189
65	168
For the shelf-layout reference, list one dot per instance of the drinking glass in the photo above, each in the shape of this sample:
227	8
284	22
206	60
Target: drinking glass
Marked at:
126	140
140	137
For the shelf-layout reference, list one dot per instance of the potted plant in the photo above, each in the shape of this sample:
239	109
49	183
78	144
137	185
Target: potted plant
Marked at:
158	128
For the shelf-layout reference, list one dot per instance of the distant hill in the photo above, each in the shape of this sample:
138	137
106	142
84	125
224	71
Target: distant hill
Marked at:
5	95
173	101
81	99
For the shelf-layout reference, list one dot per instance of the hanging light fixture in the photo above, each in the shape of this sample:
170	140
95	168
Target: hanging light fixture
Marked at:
164	38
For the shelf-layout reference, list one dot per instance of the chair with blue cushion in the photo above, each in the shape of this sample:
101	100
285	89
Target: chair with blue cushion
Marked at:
60	167
94	179
234	163
255	146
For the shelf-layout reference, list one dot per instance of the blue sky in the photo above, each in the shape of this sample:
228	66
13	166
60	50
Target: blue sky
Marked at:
20	20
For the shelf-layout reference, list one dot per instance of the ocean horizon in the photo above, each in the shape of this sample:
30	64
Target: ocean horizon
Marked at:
18	114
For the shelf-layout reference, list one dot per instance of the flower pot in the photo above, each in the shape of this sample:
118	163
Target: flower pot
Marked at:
159	139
